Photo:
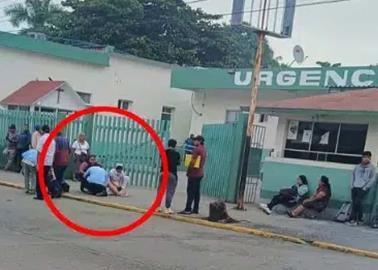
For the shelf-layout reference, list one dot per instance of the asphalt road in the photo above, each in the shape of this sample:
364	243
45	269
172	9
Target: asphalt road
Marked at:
31	238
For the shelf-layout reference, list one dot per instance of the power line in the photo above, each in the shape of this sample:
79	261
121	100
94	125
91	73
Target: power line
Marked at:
195	1
282	7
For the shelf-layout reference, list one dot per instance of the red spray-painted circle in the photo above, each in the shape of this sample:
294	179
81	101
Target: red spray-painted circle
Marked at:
85	230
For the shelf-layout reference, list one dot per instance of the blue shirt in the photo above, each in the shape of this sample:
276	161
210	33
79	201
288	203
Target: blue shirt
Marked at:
97	175
30	157
188	146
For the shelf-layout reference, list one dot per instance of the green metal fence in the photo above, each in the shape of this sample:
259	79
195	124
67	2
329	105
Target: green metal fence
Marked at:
224	144
113	139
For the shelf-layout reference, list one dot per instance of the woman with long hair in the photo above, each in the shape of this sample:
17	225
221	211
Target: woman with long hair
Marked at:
318	202
289	197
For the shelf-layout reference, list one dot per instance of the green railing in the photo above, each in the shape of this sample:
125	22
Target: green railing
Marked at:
113	139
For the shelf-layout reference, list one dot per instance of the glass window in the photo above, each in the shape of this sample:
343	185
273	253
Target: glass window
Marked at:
232	116
124	104
332	142
324	137
301	140
167	113
352	139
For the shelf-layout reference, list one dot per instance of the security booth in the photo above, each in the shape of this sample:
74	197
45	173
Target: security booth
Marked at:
322	135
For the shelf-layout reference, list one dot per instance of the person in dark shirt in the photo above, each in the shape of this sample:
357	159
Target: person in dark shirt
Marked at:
23	145
173	161
62	157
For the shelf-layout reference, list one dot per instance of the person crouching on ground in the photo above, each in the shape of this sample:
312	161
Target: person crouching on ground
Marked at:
119	179
85	165
289	197
173	161
29	164
318	202
95	182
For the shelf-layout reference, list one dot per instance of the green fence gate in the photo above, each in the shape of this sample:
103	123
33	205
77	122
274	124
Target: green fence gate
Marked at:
224	144
113	139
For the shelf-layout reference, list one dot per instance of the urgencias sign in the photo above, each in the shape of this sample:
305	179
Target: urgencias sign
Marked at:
276	79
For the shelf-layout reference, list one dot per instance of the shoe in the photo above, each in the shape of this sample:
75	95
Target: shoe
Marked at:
102	194
159	210
265	208
290	214
352	223
195	212
185	212
168	211
38	198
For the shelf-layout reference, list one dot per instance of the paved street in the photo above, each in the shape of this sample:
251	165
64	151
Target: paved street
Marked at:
357	237
31	238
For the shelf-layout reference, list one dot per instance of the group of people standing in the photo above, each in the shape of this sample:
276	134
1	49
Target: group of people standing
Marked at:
23	151
195	158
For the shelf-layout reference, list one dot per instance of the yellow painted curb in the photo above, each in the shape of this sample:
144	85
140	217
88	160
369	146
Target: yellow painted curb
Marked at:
228	227
345	249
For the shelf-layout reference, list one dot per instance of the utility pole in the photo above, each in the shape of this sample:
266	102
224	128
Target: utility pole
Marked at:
252	109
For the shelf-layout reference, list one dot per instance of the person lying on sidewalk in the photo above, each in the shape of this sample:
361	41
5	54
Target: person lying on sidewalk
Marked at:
95	182
119	179
289	197
318	202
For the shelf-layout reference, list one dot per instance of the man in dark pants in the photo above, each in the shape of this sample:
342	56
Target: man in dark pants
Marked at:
48	162
173	161
62	156
195	174
363	178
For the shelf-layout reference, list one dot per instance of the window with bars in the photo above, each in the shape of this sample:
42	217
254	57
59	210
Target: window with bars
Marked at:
167	113
322	141
124	104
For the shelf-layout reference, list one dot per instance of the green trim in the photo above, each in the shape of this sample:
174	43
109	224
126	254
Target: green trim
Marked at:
49	48
295	79
276	111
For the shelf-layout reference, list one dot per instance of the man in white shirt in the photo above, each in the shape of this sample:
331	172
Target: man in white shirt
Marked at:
48	162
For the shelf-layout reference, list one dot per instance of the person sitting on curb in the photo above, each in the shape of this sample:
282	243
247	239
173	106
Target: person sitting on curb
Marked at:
318	202
95	182
119	179
289	197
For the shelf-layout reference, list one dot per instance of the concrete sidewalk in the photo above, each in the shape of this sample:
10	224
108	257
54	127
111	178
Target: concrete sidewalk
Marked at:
312	230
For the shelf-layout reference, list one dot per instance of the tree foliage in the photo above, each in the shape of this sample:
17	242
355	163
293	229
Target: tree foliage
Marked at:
163	30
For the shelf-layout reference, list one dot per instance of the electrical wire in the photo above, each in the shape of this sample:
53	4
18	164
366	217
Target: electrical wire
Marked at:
282	7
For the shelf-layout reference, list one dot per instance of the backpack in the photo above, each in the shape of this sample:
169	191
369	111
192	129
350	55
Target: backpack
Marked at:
344	212
55	189
65	187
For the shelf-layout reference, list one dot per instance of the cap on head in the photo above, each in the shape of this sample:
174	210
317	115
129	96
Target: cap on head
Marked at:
119	166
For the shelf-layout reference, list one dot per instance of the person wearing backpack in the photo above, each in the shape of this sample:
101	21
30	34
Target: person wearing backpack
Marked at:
363	178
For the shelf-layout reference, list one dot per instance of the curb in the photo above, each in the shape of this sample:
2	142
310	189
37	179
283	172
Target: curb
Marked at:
227	227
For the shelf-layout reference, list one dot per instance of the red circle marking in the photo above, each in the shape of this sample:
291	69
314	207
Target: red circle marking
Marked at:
82	229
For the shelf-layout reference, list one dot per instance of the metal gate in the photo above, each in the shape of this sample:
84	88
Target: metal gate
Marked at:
254	164
224	144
